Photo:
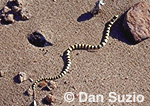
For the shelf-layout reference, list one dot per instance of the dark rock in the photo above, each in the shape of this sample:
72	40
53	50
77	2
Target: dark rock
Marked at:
50	98
37	39
137	21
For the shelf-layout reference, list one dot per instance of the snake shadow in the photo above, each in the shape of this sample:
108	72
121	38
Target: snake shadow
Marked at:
84	17
118	32
65	61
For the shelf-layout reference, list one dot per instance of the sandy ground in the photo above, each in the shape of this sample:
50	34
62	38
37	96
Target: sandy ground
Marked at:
118	67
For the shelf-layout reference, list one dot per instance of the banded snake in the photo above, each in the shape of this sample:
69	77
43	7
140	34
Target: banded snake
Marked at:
75	47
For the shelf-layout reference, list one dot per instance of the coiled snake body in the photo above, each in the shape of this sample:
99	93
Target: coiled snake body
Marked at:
75	47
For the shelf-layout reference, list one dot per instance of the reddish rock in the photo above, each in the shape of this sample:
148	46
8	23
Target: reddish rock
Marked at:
42	84
137	21
50	98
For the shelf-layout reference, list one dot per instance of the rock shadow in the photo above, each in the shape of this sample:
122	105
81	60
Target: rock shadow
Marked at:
16	79
84	17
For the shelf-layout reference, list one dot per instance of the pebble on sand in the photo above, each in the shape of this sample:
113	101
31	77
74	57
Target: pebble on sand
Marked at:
16	9
6	9
2	74
18	2
52	84
25	15
50	98
29	92
9	18
22	76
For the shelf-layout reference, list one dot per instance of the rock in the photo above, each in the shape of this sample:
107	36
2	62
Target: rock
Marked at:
2	74
3	15
9	18
52	84
137	21
11	3
29	92
37	39
50	98
42	84
22	76
24	14
97	7
20	2
16	9
6	9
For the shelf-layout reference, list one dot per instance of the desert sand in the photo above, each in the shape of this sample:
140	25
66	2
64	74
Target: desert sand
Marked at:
118	67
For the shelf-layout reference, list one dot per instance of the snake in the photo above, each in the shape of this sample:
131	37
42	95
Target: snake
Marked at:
67	54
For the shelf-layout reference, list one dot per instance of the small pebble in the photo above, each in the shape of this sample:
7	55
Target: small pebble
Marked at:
22	76
50	98
76	95
29	92
16	9
6	9
2	74
25	14
19	2
42	84
65	82
9	18
2	15
52	84
54	0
